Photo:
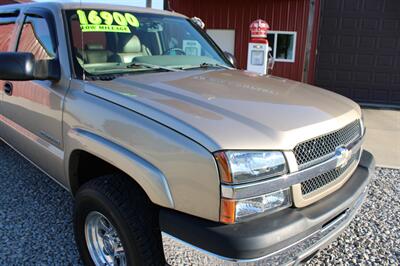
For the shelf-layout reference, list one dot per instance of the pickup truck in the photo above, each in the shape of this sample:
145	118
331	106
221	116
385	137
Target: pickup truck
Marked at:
170	151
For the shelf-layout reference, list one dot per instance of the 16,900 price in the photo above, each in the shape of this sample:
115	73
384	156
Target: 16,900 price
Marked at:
107	18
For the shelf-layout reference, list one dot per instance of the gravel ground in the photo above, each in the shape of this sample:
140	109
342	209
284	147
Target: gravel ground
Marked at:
373	238
35	216
36	222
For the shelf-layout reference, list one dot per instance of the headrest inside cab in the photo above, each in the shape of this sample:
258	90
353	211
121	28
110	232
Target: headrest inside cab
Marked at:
94	46
133	45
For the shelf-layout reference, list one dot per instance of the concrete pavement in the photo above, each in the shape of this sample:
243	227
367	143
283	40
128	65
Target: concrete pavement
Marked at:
383	136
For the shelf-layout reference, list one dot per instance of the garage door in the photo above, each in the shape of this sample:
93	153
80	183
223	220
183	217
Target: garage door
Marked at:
359	50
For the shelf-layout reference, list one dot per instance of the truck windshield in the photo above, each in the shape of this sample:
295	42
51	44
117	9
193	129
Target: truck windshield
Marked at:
106	42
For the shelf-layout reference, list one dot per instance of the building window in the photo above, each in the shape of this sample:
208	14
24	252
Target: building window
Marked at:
35	38
283	44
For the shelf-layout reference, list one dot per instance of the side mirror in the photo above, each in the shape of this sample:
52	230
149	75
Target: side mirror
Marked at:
199	22
17	66
23	66
231	58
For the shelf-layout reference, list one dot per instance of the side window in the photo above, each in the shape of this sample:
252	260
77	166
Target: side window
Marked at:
7	27
35	38
92	48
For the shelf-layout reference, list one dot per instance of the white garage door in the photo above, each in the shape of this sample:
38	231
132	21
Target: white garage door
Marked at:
224	38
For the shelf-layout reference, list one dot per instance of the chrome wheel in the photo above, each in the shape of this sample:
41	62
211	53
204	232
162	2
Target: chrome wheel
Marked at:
102	241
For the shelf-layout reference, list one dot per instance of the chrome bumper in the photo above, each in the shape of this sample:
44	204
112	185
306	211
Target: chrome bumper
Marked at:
178	252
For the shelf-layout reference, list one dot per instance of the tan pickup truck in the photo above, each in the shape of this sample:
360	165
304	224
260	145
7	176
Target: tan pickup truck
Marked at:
168	149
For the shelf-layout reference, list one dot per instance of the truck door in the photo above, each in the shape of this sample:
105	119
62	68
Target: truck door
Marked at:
7	28
32	110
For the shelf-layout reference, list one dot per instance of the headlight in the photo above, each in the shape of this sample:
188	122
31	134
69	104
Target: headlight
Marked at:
233	211
237	167
240	167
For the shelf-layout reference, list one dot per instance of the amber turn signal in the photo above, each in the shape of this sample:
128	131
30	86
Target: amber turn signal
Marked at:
223	167
227	213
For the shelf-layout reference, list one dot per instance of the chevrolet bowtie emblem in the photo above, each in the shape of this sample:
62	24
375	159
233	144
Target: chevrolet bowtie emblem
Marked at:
343	156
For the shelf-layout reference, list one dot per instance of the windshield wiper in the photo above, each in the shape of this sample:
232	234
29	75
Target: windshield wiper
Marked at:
103	77
155	67
208	65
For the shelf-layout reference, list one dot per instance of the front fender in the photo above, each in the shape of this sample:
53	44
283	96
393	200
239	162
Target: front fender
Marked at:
150	178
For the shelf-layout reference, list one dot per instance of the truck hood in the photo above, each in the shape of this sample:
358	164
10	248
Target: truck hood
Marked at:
231	109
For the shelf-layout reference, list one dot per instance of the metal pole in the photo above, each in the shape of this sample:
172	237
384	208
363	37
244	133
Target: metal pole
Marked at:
149	3
309	39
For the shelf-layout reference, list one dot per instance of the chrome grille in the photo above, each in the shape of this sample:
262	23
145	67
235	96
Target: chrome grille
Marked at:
324	179
321	148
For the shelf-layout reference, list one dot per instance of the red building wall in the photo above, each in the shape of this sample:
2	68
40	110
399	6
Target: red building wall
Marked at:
282	15
6	2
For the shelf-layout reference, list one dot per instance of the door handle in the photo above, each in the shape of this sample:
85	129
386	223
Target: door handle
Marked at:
8	88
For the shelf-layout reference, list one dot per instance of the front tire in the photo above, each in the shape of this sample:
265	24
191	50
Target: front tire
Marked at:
116	224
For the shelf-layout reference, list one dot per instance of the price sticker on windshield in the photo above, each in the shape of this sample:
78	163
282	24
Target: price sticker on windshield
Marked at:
106	21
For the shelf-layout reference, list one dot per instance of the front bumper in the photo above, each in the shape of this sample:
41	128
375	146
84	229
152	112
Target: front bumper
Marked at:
288	237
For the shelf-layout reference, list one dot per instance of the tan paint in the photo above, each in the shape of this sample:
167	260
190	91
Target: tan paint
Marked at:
152	180
187	167
264	112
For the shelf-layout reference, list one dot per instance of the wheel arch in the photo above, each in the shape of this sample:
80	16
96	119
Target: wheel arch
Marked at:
107	157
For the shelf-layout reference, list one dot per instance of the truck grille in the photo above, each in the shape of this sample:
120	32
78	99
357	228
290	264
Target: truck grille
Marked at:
321	148
324	179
